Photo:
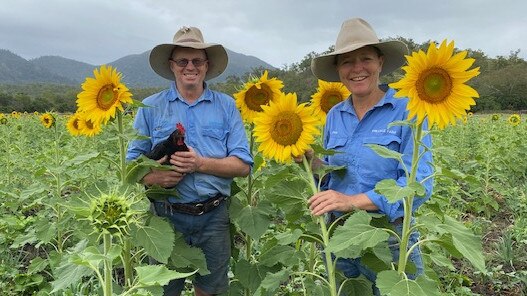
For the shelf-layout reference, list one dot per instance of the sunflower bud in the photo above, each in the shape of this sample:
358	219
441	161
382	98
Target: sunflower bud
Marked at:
111	213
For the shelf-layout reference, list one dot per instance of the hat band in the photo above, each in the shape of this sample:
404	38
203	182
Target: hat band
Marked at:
190	40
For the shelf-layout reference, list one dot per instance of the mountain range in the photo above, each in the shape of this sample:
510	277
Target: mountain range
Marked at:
135	69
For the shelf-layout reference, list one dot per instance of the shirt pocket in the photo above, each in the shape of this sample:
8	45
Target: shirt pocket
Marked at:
339	146
214	142
374	166
161	132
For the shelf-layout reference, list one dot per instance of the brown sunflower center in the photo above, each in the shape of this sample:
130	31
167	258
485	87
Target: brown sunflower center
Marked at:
89	124
434	85
329	100
287	128
76	124
107	96
256	97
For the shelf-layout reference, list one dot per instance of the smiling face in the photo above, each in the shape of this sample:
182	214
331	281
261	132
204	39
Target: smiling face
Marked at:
360	69
189	77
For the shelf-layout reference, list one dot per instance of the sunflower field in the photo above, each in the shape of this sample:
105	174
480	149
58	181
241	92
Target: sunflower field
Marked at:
75	221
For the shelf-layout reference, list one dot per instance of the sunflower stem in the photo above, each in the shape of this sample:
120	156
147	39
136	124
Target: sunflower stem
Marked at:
127	246
107	241
251	200
330	267
122	152
58	208
408	201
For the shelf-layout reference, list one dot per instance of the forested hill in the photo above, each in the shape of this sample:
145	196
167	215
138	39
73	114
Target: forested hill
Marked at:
135	69
16	70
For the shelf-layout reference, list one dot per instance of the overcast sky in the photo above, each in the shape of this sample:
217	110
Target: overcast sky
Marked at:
280	32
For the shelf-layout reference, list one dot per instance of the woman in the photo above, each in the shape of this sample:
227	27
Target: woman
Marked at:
358	62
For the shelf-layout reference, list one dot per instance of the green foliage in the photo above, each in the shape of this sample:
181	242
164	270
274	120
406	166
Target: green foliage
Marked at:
43	245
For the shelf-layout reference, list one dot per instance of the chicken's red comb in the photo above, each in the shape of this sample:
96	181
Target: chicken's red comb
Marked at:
180	127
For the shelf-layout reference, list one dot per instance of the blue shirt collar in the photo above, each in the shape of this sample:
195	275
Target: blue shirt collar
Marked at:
174	94
387	99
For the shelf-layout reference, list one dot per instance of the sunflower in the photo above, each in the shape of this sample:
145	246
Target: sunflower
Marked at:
48	120
256	93
103	95
328	95
434	82
515	119
15	114
87	127
73	124
3	120
495	117
285	129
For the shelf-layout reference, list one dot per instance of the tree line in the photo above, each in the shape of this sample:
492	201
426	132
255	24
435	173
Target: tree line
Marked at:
502	84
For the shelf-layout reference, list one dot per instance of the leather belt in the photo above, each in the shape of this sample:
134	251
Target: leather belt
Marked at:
196	209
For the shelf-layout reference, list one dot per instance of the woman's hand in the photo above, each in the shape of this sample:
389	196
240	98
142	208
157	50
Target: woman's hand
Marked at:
308	154
331	200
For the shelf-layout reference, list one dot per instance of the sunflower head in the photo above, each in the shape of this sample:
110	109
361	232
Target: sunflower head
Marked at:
101	97
495	117
328	95
3	120
111	213
88	127
73	124
48	120
285	129
435	84
257	92
515	119
15	114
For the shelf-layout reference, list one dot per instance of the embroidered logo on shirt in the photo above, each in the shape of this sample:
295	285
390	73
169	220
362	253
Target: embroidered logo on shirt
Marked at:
383	131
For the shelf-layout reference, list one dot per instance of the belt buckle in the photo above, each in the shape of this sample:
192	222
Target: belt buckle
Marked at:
216	202
201	208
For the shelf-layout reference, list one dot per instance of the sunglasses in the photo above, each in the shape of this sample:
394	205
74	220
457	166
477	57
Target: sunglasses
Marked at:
184	62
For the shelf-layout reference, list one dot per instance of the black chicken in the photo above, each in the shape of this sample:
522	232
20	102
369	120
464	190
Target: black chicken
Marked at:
174	142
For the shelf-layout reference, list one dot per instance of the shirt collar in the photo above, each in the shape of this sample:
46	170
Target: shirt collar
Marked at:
387	99
174	94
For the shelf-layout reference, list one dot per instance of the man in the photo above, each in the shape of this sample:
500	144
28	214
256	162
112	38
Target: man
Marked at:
217	150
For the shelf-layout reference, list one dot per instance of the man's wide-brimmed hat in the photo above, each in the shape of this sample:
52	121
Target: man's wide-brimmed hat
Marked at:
189	37
354	34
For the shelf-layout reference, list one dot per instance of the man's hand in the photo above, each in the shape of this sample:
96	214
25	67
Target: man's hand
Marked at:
165	179
186	162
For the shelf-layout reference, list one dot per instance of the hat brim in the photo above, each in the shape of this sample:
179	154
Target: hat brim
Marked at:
216	55
325	67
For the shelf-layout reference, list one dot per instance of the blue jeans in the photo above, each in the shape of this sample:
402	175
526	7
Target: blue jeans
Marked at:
211	233
352	268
